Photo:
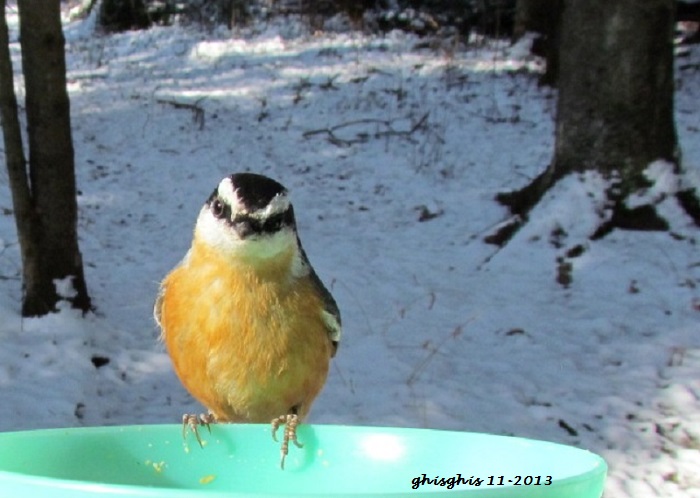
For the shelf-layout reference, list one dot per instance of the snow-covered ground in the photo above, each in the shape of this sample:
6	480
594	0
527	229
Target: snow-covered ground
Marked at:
393	155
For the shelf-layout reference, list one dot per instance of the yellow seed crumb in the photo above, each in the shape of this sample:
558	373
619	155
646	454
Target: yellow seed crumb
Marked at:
207	479
158	467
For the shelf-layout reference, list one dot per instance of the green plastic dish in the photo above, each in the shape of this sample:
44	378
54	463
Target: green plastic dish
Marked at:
336	461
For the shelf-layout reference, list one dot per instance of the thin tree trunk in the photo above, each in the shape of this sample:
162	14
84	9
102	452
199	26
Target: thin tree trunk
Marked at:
53	247
25	217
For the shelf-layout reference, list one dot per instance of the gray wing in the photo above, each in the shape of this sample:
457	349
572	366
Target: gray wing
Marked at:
331	313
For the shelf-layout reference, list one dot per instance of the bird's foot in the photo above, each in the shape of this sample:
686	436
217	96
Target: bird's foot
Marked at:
193	422
290	422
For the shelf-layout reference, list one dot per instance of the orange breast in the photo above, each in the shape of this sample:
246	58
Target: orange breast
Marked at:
248	344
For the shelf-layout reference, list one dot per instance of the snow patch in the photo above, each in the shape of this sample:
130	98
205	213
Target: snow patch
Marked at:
219	49
65	287
665	183
576	206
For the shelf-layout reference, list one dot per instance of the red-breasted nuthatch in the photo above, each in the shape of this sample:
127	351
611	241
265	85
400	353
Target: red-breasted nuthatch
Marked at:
248	324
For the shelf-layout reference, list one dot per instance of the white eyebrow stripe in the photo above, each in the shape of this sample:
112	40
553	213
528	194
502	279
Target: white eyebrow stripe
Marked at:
279	204
229	195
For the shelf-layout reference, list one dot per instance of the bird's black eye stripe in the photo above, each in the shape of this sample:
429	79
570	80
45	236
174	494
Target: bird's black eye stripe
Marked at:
247	225
280	220
273	223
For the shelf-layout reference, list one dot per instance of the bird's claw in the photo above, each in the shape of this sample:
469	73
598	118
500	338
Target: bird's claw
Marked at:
290	422
192	422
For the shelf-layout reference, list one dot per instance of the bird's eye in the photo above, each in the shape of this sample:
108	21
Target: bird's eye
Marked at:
217	208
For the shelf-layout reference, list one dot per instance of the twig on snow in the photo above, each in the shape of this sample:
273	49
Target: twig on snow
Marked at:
197	110
385	129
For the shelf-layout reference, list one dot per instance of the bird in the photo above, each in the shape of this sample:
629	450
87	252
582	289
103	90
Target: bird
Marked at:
249	326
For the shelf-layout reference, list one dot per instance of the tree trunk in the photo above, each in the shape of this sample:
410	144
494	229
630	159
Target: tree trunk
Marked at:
25	218
47	196
615	106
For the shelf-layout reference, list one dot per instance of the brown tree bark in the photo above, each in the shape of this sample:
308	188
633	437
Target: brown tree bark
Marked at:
44	195
16	162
